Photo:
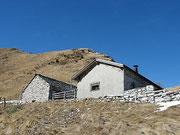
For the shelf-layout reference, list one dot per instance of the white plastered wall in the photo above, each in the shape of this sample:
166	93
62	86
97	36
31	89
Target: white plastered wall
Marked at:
111	82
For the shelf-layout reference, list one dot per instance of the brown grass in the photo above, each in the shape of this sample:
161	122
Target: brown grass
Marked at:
17	67
174	88
90	117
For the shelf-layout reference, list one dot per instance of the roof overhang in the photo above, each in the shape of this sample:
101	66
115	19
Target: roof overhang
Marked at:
93	62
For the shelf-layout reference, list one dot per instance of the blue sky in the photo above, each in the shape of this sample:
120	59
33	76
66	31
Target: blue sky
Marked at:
143	32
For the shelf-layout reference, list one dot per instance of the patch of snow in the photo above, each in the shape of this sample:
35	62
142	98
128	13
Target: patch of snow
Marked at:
10	102
148	117
165	105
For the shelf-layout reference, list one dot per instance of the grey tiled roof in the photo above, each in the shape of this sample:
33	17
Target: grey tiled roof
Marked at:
56	83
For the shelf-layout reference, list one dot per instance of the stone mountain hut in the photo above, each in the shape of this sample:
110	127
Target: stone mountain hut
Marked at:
103	78
42	88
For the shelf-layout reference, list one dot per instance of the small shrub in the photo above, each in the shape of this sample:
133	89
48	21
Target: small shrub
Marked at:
1	112
63	62
57	61
13	49
12	109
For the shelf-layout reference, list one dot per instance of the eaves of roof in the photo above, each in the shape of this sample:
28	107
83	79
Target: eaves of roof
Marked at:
96	60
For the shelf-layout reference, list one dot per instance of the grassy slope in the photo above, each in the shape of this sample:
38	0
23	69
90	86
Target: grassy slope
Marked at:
17	67
174	88
89	117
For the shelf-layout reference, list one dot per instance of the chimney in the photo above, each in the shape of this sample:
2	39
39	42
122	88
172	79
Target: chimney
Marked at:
136	68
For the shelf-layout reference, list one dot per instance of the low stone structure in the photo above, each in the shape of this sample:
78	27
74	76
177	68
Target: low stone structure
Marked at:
42	88
147	94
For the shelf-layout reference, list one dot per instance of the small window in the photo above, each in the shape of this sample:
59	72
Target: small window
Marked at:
95	86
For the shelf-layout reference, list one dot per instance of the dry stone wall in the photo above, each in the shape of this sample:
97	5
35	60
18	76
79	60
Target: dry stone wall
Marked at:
37	90
147	94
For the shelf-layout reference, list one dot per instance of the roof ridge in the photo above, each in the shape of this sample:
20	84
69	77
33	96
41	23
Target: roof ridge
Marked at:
100	61
108	61
46	77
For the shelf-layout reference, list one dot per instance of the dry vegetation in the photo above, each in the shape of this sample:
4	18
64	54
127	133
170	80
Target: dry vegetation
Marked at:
89	117
17	67
174	88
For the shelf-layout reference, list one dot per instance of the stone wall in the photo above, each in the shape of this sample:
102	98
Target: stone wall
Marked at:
147	94
37	90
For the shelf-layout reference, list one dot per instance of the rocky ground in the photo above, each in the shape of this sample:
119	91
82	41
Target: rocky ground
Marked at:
90	116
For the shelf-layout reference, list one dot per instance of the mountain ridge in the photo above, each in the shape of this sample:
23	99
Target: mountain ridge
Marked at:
18	67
